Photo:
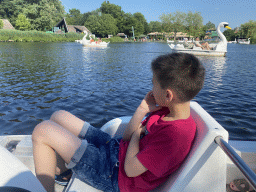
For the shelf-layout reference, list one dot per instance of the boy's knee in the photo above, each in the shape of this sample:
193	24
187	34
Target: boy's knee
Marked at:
57	115
40	131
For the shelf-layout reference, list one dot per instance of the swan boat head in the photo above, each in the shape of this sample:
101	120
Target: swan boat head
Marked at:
222	45
84	40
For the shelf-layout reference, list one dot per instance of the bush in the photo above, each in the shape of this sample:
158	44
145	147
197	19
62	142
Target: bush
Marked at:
1	24
37	36
115	39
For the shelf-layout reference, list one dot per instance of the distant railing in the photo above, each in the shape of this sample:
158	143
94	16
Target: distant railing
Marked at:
237	160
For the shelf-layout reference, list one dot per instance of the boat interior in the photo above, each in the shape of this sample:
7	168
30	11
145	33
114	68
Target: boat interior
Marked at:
206	168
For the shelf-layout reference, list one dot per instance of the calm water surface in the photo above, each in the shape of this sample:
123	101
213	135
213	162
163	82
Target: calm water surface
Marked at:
98	85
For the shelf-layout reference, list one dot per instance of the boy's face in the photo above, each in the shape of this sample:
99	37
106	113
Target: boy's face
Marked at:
158	92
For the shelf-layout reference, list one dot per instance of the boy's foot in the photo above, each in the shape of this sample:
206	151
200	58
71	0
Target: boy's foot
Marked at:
239	185
63	178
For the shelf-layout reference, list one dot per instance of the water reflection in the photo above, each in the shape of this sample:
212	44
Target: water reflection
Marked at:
216	70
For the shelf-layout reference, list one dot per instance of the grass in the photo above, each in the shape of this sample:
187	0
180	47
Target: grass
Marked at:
37	36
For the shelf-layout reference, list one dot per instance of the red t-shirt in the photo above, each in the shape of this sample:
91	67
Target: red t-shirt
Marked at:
162	150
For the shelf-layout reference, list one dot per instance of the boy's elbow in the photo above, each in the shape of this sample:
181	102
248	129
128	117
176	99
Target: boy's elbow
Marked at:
129	171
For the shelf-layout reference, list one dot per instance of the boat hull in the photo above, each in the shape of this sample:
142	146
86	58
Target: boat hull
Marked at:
201	52
96	45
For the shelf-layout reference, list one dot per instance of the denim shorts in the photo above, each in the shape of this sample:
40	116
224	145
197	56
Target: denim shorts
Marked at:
96	161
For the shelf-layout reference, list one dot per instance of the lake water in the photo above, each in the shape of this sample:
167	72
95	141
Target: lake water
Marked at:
98	85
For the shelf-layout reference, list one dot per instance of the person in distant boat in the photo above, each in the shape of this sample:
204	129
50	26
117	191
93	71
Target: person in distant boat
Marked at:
187	45
149	150
204	45
99	41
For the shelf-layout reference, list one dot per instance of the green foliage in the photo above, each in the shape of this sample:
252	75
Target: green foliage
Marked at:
155	26
173	22
1	24
22	23
115	39
229	34
210	25
37	36
42	14
248	29
194	24
102	25
74	17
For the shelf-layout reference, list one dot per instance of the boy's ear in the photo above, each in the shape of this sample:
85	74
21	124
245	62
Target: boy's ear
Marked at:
169	95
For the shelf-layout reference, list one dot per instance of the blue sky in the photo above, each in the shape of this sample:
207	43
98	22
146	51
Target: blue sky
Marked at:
235	12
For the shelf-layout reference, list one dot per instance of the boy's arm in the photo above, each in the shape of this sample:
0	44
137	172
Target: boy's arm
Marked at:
134	123
132	166
147	105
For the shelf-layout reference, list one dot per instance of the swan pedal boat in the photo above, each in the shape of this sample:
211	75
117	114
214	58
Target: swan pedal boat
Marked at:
244	42
90	43
206	168
219	49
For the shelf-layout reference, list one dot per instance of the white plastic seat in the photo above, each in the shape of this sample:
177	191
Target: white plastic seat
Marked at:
15	174
203	170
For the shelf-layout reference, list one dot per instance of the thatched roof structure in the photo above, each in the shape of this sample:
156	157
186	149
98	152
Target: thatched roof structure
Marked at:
7	24
71	28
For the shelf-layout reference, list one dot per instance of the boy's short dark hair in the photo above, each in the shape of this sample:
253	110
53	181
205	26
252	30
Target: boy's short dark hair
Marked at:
180	72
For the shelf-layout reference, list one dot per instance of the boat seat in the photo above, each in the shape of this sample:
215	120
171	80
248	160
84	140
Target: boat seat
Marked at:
204	169
197	48
14	174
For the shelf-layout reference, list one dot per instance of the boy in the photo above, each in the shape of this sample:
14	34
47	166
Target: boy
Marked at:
148	152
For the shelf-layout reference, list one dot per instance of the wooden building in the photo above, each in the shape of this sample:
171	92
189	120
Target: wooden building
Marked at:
62	27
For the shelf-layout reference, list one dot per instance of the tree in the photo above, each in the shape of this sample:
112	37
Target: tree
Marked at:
40	13
248	30
108	25
194	24
22	23
1	24
101	25
173	22
129	22
155	26
115	11
229	34
74	17
141	19
210	25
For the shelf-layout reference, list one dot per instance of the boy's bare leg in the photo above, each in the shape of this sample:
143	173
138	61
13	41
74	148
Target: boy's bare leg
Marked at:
48	138
70	123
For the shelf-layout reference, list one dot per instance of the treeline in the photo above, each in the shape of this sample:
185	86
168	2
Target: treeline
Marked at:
109	19
42	15
37	15
246	30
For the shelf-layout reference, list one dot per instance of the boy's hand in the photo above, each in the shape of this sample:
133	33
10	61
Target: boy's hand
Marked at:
149	103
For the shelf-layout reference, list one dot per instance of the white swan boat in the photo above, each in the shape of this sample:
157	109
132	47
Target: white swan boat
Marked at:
243	41
235	42
91	43
217	50
206	168
170	41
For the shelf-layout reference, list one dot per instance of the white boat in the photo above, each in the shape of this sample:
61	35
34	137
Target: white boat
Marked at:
206	168
79	41
170	41
234	41
217	50
243	41
92	43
